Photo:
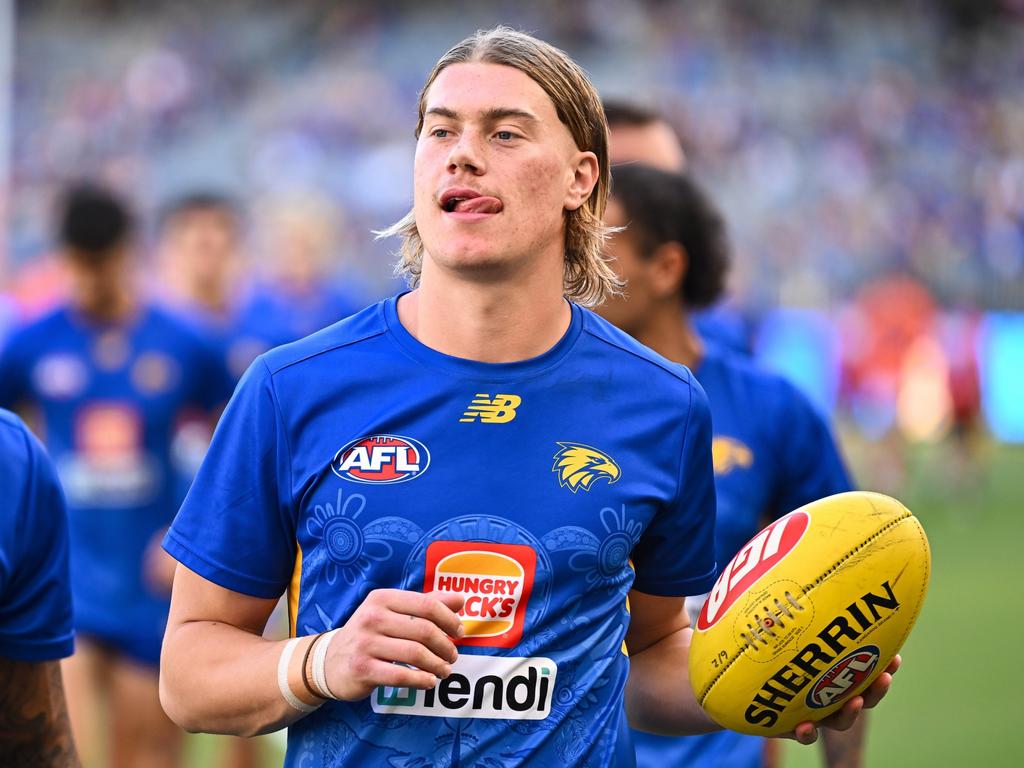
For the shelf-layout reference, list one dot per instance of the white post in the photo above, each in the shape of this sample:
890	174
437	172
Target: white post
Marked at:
6	126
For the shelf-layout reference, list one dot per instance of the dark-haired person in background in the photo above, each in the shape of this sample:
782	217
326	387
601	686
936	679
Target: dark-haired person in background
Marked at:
35	605
107	376
772	452
642	135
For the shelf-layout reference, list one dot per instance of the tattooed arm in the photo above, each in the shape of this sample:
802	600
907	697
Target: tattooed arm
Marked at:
34	727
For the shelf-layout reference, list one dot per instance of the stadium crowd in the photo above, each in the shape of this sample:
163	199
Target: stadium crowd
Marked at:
845	145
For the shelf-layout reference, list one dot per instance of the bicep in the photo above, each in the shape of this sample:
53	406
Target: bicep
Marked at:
653	618
195	598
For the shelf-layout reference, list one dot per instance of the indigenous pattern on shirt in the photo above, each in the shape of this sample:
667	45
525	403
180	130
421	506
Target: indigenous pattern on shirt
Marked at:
542	491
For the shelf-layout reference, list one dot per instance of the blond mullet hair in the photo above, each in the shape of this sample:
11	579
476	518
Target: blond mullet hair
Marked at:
588	279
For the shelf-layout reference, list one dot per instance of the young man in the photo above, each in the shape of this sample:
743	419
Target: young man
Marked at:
107	377
35	605
772	451
462	486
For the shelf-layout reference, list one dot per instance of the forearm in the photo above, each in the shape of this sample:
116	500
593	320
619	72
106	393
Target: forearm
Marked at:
659	698
34	727
217	678
845	749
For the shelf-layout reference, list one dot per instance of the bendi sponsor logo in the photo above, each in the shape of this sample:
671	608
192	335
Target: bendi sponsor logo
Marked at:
488	687
806	666
381	459
495	579
754	560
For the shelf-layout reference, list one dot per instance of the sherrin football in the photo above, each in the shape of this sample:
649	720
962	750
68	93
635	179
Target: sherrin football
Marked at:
809	612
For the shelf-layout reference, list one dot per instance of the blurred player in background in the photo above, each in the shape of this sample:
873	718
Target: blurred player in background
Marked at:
362	467
203	268
200	256
35	605
106	377
298	291
772	451
643	135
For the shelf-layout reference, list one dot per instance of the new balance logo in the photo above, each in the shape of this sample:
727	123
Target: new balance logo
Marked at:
500	409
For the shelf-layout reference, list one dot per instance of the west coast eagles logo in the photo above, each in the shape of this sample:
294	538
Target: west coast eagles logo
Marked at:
729	454
579	466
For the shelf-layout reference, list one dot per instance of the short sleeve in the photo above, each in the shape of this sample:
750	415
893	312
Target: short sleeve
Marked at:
676	554
15	364
812	467
35	589
236	526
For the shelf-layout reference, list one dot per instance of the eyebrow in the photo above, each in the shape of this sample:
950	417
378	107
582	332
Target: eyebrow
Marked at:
492	115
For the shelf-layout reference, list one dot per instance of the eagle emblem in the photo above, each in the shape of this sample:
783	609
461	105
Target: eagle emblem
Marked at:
579	466
728	454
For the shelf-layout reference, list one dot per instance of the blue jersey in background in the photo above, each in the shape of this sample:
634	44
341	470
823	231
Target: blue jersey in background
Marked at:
35	590
773	452
542	491
108	398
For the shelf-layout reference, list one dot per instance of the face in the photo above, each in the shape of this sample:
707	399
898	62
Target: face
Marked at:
629	311
98	283
495	172
202	243
653	144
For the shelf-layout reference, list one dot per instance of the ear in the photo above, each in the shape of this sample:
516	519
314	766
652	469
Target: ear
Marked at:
585	171
668	267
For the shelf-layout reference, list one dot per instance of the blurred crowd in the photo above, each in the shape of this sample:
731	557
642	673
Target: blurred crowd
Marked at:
866	156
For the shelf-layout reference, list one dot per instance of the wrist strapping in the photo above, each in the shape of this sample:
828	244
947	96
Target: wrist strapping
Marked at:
283	664
319	669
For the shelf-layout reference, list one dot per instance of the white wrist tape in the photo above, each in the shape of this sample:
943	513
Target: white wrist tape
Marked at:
283	663
319	668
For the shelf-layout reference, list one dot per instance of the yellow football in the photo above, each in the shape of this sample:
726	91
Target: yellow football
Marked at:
809	612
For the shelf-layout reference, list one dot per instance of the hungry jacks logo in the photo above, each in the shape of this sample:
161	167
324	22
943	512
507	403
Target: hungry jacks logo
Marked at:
495	579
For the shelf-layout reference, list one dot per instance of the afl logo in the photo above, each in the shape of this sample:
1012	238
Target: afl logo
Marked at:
754	560
381	459
844	677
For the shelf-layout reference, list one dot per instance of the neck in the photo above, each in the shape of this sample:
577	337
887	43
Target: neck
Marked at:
107	306
668	332
492	322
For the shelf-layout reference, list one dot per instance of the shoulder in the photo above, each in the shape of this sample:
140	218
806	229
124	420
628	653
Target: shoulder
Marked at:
632	357
14	439
751	380
23	461
336	339
39	327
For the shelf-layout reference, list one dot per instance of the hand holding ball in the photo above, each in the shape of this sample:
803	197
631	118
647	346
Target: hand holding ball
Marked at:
809	612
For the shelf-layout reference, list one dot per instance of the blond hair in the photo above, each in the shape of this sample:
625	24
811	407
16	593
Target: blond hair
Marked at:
588	277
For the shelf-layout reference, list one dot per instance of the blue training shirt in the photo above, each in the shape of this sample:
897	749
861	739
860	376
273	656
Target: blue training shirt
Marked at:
108	397
773	452
35	593
541	490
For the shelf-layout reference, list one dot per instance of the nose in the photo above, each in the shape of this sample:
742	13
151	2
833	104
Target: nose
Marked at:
467	155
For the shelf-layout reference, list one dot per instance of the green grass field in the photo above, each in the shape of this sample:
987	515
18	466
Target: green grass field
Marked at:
954	702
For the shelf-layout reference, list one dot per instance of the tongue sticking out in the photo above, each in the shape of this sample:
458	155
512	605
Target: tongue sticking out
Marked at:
479	205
